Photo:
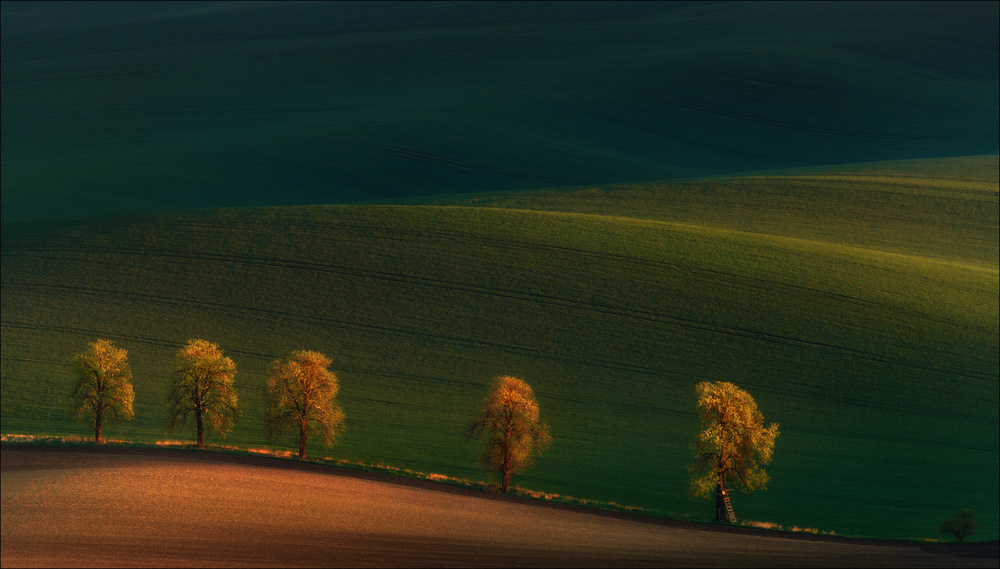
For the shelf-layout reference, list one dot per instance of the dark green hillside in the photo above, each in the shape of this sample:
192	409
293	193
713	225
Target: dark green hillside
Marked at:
946	208
882	369
336	102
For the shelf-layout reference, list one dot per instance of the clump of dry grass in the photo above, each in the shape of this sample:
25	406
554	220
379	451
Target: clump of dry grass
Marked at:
762	525
779	527
552	496
271	452
807	530
72	439
17	438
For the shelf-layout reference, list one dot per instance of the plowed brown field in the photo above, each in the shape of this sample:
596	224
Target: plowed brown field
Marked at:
118	507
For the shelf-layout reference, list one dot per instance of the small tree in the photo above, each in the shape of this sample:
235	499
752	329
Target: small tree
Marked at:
300	393
961	525
102	391
202	384
514	435
734	445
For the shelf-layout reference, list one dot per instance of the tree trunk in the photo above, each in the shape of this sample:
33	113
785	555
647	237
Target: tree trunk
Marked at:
201	429
303	436
720	504
507	459
98	423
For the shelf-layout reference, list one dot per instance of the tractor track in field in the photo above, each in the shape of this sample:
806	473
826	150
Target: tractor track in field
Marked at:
323	231
533	298
743	280
462	288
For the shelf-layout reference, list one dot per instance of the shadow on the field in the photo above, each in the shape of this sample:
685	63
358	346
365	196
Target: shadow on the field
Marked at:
984	550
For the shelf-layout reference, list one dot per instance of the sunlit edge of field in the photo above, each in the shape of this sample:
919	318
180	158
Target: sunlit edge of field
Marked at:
872	205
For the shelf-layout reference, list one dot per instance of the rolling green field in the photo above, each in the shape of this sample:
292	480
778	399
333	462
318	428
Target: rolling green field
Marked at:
880	367
613	202
336	102
942	208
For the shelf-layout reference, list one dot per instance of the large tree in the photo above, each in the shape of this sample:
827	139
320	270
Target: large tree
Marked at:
102	391
202	385
733	446
300	395
509	422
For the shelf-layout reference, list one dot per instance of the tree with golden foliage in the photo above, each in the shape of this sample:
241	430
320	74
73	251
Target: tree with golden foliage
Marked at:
102	391
509	421
734	445
202	384
300	393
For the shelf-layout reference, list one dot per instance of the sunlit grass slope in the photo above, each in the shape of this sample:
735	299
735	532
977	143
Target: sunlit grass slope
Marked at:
335	102
882	369
945	208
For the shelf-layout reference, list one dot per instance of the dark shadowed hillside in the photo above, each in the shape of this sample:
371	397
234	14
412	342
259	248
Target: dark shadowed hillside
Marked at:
335	103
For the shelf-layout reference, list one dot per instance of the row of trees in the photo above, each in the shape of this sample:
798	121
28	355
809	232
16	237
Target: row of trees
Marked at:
731	450
300	392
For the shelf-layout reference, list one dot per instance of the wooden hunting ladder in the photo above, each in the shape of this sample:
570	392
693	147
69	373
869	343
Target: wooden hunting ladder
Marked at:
729	507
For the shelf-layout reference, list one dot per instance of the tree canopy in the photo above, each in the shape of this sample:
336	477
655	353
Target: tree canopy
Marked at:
734	445
961	525
300	394
102	390
202	385
510	423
